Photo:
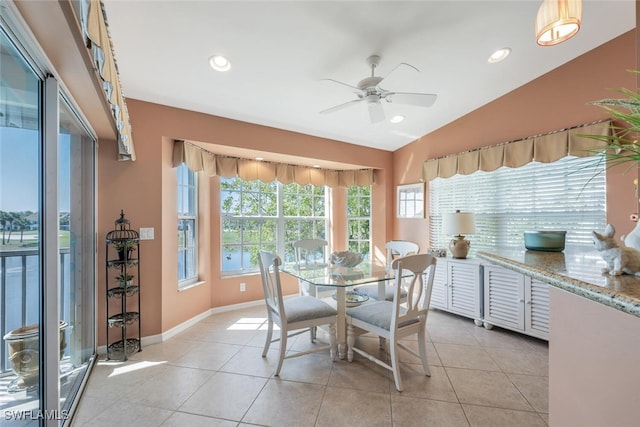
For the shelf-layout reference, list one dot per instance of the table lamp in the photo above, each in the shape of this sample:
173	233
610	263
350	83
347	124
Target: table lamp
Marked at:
457	224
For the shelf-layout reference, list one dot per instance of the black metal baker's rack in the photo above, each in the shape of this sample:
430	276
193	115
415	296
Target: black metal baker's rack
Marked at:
123	258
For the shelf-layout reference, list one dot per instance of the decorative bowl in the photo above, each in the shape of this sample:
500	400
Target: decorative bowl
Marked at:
346	258
544	240
353	298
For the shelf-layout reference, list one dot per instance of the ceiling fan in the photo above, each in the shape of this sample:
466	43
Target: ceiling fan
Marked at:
369	91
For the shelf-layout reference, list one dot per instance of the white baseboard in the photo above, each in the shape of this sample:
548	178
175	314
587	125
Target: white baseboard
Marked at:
158	338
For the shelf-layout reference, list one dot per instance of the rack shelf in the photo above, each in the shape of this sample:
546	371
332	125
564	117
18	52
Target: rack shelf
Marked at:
123	301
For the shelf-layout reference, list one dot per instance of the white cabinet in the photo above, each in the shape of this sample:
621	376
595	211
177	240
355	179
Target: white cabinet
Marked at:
503	298
515	301
536	308
457	288
439	290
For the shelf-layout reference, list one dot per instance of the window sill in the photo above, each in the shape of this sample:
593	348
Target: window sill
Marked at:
231	275
190	285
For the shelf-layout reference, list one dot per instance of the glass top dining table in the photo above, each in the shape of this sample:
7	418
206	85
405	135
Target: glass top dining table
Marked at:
341	278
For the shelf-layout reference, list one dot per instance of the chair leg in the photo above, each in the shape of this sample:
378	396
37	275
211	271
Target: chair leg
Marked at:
351	340
332	341
312	333
422	344
269	336
383	343
283	350
394	364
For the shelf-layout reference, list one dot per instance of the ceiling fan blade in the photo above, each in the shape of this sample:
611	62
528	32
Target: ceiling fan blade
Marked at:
417	99
355	88
340	106
396	68
376	113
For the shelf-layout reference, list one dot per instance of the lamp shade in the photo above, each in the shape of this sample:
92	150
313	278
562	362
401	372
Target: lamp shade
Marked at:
458	223
557	21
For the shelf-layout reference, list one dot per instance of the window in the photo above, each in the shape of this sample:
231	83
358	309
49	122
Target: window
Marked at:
267	216
410	201
359	219
187	226
568	194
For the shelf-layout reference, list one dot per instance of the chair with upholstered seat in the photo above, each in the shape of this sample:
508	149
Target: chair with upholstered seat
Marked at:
392	320
298	313
309	254
395	249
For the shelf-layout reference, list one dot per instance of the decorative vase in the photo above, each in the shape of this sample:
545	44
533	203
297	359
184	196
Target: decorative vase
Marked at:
24	354
632	240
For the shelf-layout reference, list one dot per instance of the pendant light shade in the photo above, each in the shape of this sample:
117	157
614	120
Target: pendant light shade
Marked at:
557	21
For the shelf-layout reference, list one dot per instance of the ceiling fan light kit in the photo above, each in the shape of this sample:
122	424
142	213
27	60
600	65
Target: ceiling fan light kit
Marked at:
371	92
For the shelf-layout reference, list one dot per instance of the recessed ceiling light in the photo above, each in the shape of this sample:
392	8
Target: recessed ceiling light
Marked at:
259	158
316	166
219	63
396	119
499	55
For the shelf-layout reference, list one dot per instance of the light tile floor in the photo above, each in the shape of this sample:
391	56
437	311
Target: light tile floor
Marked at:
213	375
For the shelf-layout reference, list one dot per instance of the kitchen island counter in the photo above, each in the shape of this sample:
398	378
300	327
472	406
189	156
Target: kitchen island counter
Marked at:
577	270
594	336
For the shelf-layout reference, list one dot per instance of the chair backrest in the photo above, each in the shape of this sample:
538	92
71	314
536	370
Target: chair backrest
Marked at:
310	251
400	248
418	287
270	274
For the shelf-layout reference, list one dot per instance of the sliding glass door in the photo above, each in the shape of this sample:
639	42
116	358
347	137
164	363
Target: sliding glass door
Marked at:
77	247
20	221
47	246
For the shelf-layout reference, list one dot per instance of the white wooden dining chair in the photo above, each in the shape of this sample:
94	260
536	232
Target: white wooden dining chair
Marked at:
297	313
391	320
311	253
395	249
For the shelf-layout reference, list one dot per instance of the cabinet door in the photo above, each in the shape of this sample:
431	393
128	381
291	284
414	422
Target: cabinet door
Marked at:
439	291
537	308
504	297
464	289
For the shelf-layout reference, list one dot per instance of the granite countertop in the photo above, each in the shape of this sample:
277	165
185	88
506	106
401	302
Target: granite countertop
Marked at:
576	270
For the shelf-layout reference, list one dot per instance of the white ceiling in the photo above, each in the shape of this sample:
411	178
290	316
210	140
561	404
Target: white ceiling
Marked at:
281	51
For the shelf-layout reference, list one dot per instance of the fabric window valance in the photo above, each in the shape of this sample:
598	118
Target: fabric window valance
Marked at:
95	27
542	148
200	160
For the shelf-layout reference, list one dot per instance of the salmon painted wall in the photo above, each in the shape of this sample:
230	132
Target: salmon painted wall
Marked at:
145	189
557	100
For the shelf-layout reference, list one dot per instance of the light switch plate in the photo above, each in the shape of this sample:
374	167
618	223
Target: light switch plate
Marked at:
146	233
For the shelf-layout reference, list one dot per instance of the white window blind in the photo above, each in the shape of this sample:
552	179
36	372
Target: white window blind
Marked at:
569	194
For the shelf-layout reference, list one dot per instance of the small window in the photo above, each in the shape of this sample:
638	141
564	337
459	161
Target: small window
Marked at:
359	219
187	226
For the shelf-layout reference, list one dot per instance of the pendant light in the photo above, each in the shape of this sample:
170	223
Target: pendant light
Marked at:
557	21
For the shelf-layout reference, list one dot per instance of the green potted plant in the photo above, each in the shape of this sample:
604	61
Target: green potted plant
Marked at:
124	248
125	280
622	146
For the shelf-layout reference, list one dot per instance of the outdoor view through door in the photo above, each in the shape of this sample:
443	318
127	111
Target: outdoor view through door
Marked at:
57	273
